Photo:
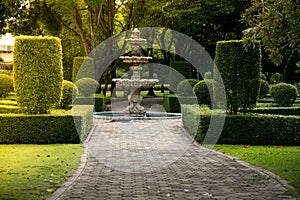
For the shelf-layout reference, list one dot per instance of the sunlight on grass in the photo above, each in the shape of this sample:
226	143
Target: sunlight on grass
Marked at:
34	171
283	161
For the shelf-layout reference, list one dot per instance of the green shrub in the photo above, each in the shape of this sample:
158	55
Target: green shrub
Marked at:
1	59
263	77
46	129
83	67
284	94
38	73
264	88
276	78
207	75
185	87
69	92
97	102
87	86
6	85
240	70
202	89
172	103
247	129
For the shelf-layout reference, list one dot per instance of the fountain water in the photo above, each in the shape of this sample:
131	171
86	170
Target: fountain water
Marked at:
135	84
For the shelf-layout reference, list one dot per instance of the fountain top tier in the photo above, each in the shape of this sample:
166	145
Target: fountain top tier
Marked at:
135	43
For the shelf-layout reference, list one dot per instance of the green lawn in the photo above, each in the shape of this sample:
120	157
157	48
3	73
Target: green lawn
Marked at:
34	171
283	161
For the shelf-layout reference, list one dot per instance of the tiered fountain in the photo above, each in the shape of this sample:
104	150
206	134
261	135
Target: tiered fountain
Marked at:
135	84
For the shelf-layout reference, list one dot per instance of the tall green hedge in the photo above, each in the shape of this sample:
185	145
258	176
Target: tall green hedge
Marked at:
83	67
240	69
38	73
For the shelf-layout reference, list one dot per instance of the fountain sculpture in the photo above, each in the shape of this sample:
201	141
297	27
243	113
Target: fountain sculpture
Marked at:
135	84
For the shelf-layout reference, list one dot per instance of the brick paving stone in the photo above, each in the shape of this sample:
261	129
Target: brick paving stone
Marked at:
159	160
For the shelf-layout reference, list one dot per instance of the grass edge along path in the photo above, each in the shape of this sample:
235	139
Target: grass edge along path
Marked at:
283	161
35	171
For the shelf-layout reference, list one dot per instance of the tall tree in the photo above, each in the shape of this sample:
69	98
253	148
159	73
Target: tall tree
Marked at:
276	23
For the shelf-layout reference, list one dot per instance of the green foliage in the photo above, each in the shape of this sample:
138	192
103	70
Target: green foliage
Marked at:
273	22
276	78
83	67
172	103
97	102
247	129
183	67
202	89
6	85
38	73
6	66
264	88
278	110
1	59
240	69
284	94
185	87
263	77
87	86
69	92
45	129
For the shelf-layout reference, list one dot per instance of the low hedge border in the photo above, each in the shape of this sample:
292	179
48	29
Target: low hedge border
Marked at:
46	129
171	102
247	129
277	110
97	101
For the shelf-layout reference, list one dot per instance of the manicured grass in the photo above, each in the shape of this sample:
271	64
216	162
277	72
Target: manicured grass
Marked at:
283	161
34	171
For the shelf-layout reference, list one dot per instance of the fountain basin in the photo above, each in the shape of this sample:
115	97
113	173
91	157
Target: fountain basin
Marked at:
115	115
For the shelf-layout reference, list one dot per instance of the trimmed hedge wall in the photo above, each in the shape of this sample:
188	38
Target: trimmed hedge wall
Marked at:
172	102
97	101
45	129
240	69
83	67
38	73
278	110
248	129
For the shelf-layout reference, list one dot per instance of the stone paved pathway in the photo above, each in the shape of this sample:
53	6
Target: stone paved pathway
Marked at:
158	160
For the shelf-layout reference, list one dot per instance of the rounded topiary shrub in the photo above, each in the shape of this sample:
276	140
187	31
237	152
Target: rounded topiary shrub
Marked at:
185	87
202	89
284	94
6	85
87	86
276	78
69	93
38	73
264	88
